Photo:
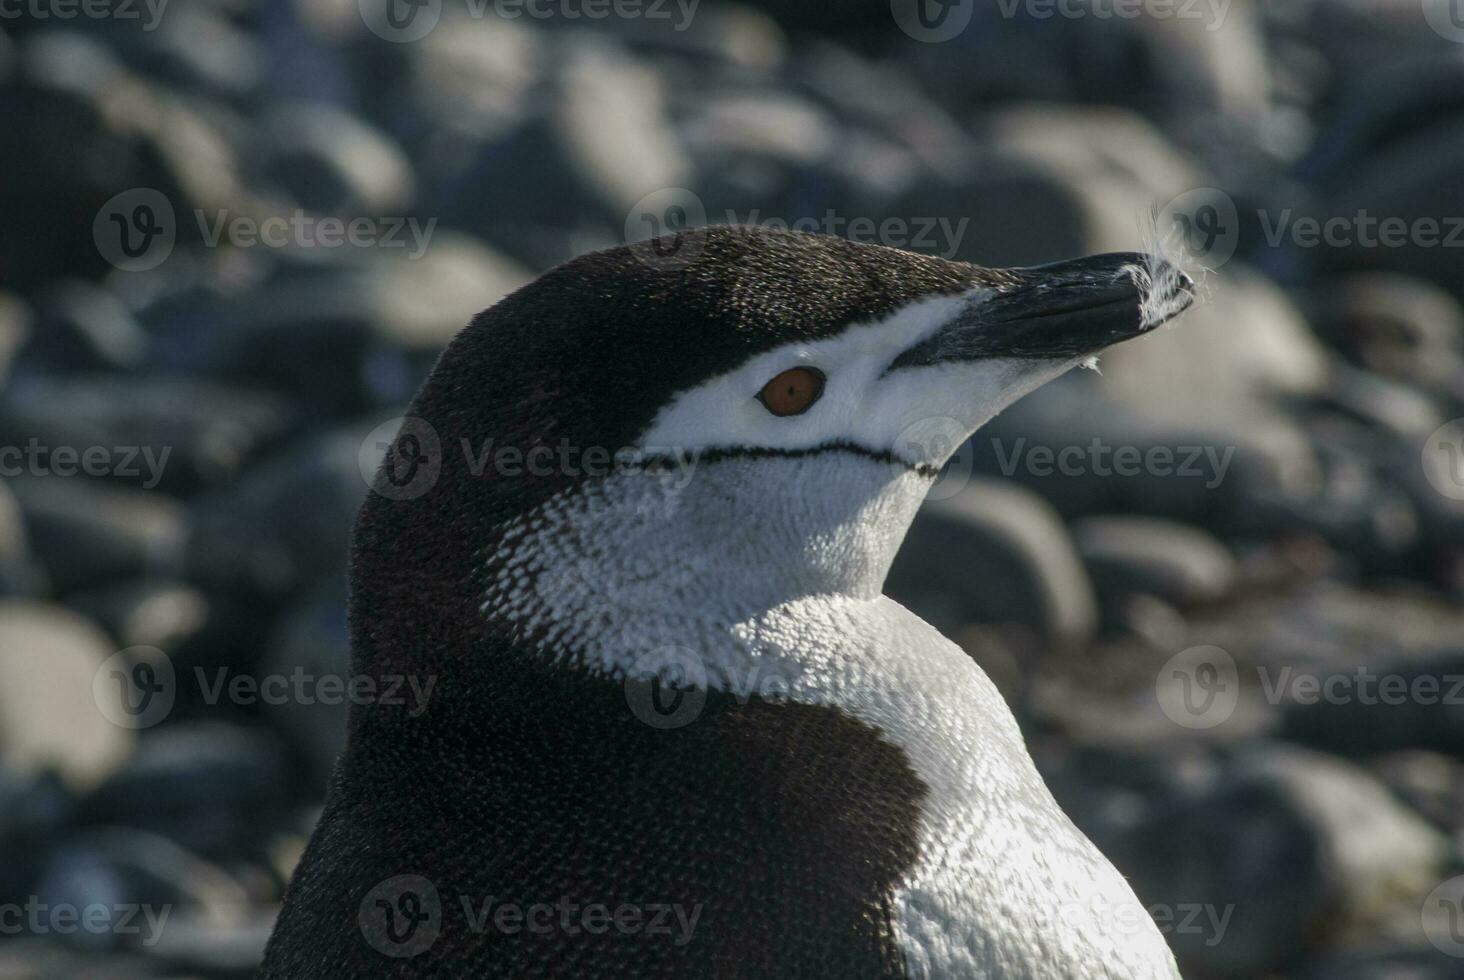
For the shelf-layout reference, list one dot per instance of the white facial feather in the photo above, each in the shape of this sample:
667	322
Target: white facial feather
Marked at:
920	415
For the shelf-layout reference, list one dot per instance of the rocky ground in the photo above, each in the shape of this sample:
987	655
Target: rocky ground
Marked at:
1219	581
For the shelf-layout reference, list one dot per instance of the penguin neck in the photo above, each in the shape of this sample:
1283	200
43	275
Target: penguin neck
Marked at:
647	556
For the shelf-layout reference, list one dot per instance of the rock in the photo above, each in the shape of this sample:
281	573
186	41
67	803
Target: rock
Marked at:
15	327
1247	341
727	34
313	638
1397	326
286	524
196	50
1382	704
334	163
208	786
85	535
1290	848
1171	66
43	959
994	553
232	949
159	613
48	716
1384	106
33	815
114	868
1179	564
600	147
173	434
17	576
1087	455
1399	963
1431	783
341	340
85	327
1408	191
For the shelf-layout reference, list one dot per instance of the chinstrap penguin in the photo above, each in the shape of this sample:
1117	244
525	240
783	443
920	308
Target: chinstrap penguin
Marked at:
676	692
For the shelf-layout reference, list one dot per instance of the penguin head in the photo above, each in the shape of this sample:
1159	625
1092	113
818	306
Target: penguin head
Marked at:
762	419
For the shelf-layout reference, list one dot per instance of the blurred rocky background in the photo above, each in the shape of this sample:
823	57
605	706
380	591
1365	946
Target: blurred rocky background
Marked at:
1197	575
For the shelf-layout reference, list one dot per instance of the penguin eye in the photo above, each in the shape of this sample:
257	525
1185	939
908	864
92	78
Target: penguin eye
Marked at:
793	392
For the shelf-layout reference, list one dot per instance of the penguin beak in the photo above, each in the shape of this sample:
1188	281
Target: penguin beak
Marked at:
1063	311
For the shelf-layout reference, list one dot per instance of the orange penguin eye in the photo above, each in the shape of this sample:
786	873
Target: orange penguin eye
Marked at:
793	392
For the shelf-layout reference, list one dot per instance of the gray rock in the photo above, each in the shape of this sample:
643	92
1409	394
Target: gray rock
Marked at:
49	719
1246	341
1397	963
286	524
1430	782
173	434
1398	326
1298	848
16	323
84	534
313	638
1180	564
40	959
1414	182
211	787
994	553
116	867
17	577
85	327
1387	702
160	613
334	163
